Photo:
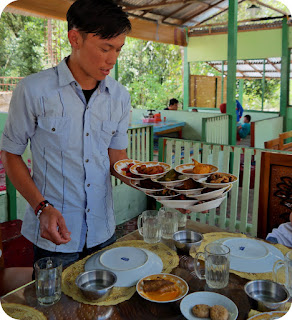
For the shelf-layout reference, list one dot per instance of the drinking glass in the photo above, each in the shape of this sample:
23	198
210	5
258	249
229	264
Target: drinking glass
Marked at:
216	265
169	222
48	278
149	226
282	271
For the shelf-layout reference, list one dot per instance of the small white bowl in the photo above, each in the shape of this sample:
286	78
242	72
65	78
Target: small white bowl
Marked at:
135	184
196	176
212	194
218	185
208	205
166	168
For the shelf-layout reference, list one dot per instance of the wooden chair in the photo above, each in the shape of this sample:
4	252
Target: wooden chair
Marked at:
275	191
282	137
14	277
273	144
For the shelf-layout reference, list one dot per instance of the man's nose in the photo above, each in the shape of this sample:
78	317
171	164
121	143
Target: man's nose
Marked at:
112	58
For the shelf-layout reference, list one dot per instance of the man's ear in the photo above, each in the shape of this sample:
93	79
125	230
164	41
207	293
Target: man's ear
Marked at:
75	38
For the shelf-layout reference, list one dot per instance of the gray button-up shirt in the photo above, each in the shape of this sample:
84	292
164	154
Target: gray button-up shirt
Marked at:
69	143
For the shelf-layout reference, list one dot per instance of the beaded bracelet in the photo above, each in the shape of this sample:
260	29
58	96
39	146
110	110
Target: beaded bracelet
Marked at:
41	206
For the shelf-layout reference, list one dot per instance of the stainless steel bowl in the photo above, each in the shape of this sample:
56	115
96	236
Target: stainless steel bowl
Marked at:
267	295
186	239
96	284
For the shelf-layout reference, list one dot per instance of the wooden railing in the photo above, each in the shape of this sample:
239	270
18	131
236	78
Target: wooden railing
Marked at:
215	129
8	84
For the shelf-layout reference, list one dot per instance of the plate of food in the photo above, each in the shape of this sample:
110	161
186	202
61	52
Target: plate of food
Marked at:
211	193
196	170
150	169
162	288
219	179
271	315
203	304
203	205
188	187
162	195
122	167
171	178
147	185
179	201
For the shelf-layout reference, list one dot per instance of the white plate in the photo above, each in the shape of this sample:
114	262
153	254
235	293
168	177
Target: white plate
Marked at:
176	204
160	197
121	164
128	278
123	258
272	315
246	248
218	185
187	166
171	183
165	166
208	205
181	284
209	298
136	183
239	262
189	192
212	194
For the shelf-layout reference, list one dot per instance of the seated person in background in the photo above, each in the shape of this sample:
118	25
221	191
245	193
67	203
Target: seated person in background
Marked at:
239	109
173	104
244	129
282	234
194	110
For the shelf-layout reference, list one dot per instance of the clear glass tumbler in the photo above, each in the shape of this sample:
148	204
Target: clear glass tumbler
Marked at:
48	279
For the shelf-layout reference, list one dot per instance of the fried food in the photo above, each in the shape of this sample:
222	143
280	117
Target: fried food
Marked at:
158	285
143	169
218	312
189	185
126	171
165	192
201	310
149	184
220	178
201	168
171	175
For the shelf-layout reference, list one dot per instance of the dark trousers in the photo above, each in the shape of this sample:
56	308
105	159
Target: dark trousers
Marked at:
69	258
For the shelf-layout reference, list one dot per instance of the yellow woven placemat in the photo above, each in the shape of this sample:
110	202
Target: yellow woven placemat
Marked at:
20	311
169	258
213	236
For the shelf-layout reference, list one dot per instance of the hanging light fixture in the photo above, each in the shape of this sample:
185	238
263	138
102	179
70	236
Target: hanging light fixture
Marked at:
253	9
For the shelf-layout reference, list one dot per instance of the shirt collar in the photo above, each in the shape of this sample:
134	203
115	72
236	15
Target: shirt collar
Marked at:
66	77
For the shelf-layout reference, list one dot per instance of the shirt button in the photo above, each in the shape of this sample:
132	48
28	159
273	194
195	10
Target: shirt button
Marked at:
87	107
88	185
86	160
113	132
53	129
87	134
88	210
76	84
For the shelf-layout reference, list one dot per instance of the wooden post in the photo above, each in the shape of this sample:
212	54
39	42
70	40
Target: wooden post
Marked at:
263	84
11	200
186	80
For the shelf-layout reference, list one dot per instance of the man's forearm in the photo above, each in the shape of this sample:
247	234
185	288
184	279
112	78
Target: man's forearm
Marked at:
19	175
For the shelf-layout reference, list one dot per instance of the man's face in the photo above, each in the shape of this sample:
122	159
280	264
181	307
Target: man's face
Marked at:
93	57
245	120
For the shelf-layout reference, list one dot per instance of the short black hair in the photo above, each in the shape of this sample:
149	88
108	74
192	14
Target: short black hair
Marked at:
173	101
248	117
104	18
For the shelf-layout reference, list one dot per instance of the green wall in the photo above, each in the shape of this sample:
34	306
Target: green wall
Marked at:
3	117
251	45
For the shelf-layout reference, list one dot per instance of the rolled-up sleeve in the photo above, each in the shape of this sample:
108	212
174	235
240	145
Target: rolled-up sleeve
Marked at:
20	124
120	139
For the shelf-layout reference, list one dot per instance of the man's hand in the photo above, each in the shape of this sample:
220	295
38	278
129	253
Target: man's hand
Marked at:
53	226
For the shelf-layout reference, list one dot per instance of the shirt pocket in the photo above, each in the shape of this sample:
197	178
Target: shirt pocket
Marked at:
54	132
108	130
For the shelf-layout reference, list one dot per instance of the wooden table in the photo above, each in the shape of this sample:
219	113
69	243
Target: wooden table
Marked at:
163	127
136	308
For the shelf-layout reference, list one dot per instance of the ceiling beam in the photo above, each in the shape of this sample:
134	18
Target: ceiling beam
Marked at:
197	14
272	8
273	64
157	5
175	11
215	15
